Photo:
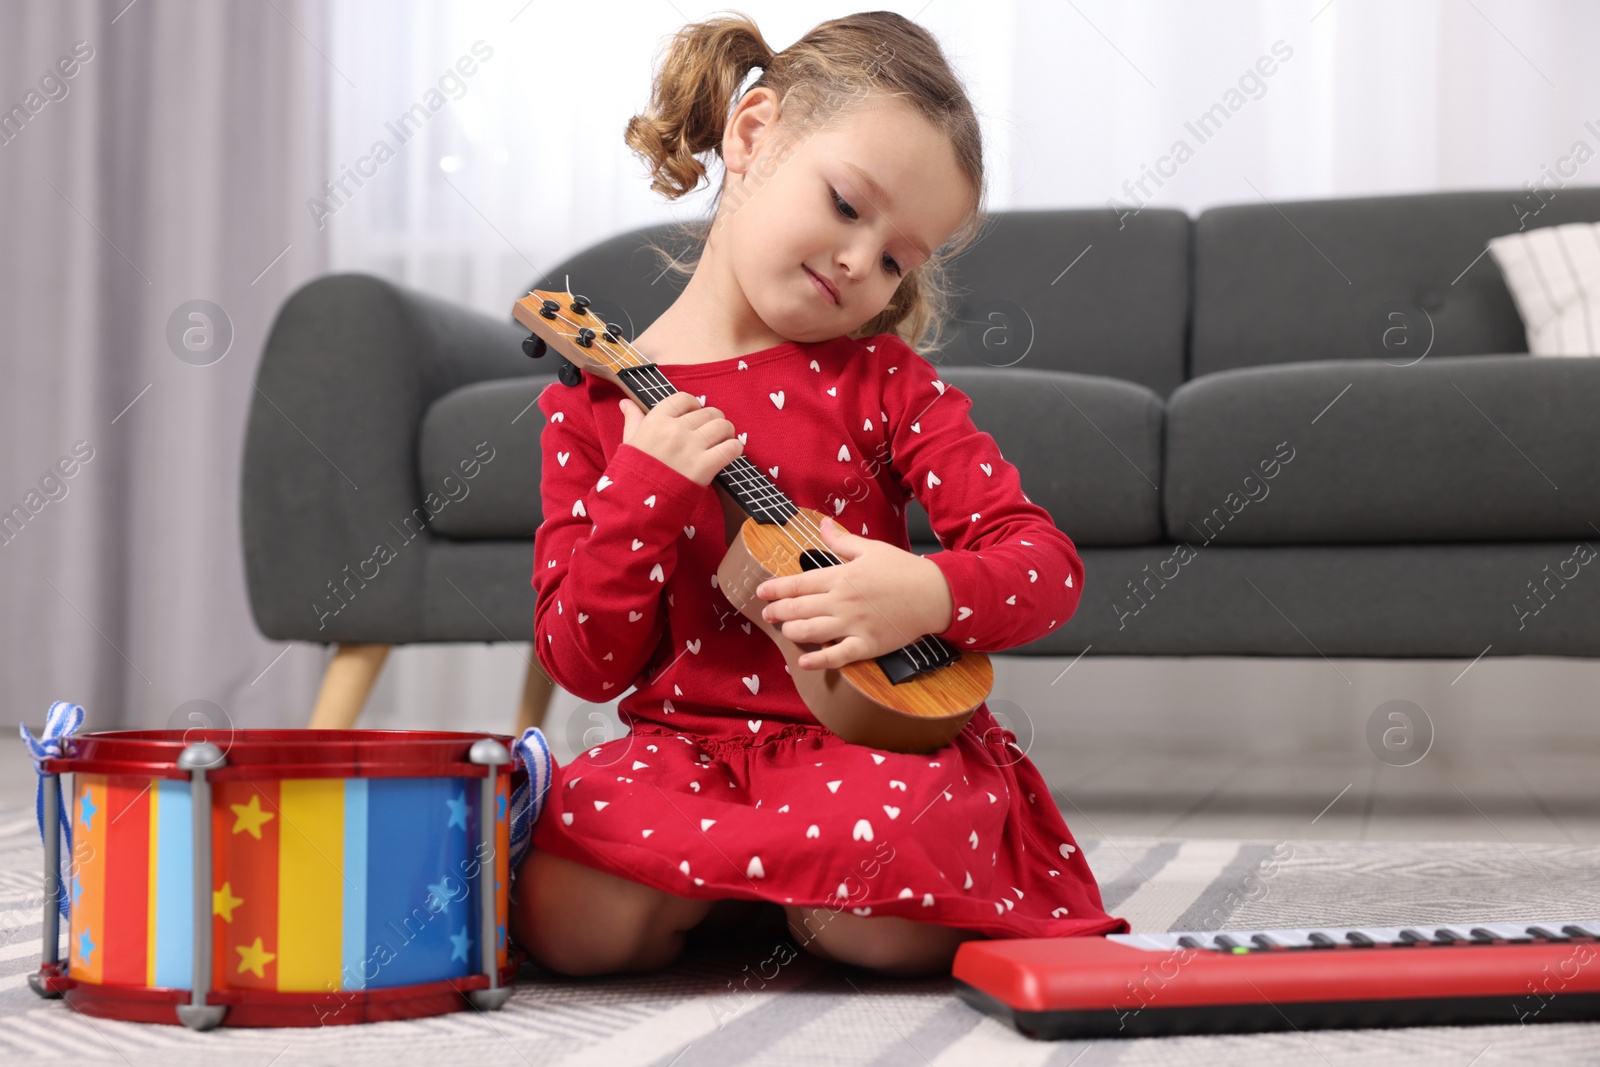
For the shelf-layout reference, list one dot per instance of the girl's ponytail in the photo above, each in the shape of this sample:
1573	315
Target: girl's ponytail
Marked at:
705	64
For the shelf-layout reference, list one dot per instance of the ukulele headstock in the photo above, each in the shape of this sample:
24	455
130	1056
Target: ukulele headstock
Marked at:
567	324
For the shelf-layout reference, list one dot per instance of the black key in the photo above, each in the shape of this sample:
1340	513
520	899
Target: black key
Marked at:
1226	942
1264	941
1359	939
1447	937
1411	937
1188	942
1480	934
1574	930
1541	932
1321	940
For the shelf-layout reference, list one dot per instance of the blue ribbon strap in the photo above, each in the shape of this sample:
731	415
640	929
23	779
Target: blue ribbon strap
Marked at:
532	752
61	723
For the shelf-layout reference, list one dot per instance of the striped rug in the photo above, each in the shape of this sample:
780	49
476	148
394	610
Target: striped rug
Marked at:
713	1008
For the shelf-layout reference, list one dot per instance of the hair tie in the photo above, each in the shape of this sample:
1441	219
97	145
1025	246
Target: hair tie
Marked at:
749	79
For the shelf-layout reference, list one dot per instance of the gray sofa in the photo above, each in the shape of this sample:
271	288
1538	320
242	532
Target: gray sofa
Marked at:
1297	429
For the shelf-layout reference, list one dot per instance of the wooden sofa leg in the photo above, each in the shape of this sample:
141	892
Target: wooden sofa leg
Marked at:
536	694
346	685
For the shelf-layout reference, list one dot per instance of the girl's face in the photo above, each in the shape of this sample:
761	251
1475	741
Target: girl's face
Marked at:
817	230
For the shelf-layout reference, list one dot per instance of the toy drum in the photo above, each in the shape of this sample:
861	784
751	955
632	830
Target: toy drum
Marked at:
280	877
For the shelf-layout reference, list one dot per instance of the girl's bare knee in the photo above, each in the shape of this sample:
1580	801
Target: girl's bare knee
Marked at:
576	920
889	945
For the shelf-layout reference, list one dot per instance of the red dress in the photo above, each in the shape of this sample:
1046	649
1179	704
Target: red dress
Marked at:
727	786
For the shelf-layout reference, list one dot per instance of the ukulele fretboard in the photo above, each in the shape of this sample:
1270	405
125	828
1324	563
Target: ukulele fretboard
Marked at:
755	492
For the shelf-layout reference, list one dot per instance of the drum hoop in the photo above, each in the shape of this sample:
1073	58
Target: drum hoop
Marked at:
265	1007
272	754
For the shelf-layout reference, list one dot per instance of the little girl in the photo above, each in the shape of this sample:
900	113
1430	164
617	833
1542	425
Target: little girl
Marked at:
850	161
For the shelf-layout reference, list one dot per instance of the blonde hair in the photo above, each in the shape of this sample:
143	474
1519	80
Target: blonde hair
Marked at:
839	66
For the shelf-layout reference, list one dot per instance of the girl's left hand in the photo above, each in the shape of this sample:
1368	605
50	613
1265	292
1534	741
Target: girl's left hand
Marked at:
879	599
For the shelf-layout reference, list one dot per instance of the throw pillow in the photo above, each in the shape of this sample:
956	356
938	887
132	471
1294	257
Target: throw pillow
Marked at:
1553	273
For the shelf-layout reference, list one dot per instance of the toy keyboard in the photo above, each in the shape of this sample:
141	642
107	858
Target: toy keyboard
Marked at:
1236	981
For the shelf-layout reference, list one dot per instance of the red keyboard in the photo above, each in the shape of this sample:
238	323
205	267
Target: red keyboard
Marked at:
1237	981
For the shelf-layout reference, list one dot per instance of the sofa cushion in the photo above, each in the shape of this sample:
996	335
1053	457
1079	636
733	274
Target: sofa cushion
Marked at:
1474	448
1088	449
1324	602
1380	277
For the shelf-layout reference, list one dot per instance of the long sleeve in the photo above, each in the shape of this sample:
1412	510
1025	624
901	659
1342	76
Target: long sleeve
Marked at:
1013	576
605	551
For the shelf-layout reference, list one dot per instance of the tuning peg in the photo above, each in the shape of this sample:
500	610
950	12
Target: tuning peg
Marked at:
569	374
533	346
585	337
549	308
613	333
580	305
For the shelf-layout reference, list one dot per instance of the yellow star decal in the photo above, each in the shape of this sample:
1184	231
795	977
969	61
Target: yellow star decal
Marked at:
254	958
223	902
250	816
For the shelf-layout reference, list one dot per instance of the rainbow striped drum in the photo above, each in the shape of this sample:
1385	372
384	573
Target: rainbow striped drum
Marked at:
340	875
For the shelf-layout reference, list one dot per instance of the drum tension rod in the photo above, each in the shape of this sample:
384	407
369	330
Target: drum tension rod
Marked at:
491	754
197	759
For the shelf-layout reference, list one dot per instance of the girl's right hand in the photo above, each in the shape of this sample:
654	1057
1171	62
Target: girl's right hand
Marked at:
695	441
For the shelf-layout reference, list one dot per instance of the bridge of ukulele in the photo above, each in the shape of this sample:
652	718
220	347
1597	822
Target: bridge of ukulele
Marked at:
919	657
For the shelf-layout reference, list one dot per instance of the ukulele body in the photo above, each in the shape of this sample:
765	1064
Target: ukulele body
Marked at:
858	701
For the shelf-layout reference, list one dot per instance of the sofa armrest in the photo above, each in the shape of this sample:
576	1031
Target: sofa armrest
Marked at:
335	533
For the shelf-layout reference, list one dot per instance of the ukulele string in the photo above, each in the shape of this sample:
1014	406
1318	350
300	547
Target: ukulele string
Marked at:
920	648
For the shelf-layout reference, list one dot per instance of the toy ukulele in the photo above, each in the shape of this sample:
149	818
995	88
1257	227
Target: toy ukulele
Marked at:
914	699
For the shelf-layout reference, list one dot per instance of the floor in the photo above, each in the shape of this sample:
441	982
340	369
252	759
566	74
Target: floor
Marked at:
1534	795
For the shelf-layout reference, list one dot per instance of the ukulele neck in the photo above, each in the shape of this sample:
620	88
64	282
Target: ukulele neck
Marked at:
754	492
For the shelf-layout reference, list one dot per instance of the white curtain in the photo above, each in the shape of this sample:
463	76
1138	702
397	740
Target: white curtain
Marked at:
203	140
169	167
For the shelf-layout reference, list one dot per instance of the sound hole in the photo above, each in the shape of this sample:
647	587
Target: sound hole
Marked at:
812	558
903	664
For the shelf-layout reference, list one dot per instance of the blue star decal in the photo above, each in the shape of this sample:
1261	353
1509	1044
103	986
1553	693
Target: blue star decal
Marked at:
87	810
77	890
438	891
85	945
458	811
460	941
500	809
500	931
